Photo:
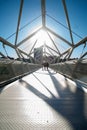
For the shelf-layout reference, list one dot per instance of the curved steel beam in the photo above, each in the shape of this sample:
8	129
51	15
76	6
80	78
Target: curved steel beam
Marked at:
83	41
19	18
6	42
43	12
67	18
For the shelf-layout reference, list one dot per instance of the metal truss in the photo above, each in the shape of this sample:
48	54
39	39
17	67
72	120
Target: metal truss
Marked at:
67	52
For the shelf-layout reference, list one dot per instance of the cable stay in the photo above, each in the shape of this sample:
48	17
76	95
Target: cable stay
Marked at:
64	26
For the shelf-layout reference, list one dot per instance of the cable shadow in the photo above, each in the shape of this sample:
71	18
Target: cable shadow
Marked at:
1	89
70	105
44	73
33	89
45	87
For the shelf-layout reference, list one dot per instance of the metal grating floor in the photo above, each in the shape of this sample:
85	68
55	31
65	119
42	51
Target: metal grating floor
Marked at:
43	100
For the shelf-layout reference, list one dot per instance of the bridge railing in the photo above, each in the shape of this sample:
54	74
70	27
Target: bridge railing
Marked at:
13	69
71	69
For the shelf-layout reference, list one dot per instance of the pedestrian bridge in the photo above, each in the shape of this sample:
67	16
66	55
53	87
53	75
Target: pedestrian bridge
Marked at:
43	100
33	98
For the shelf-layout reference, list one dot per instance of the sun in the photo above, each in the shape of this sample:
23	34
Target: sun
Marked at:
42	38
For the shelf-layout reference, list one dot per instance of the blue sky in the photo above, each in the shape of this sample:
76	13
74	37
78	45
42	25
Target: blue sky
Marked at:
9	10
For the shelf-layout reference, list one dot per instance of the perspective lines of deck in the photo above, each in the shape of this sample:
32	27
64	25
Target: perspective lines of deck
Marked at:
43	100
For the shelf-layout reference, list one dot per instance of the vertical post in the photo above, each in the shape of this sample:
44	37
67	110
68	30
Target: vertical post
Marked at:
71	50
43	13
18	54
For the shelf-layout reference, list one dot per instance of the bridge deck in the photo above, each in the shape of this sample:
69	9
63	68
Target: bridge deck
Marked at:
43	100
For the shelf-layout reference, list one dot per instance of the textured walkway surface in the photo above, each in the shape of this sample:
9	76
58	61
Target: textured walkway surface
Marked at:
43	100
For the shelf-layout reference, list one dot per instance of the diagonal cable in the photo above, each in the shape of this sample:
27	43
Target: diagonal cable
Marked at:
53	43
63	26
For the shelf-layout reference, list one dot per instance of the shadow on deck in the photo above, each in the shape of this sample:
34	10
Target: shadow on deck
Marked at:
65	98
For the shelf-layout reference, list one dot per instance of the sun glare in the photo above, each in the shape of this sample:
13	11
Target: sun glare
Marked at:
42	38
